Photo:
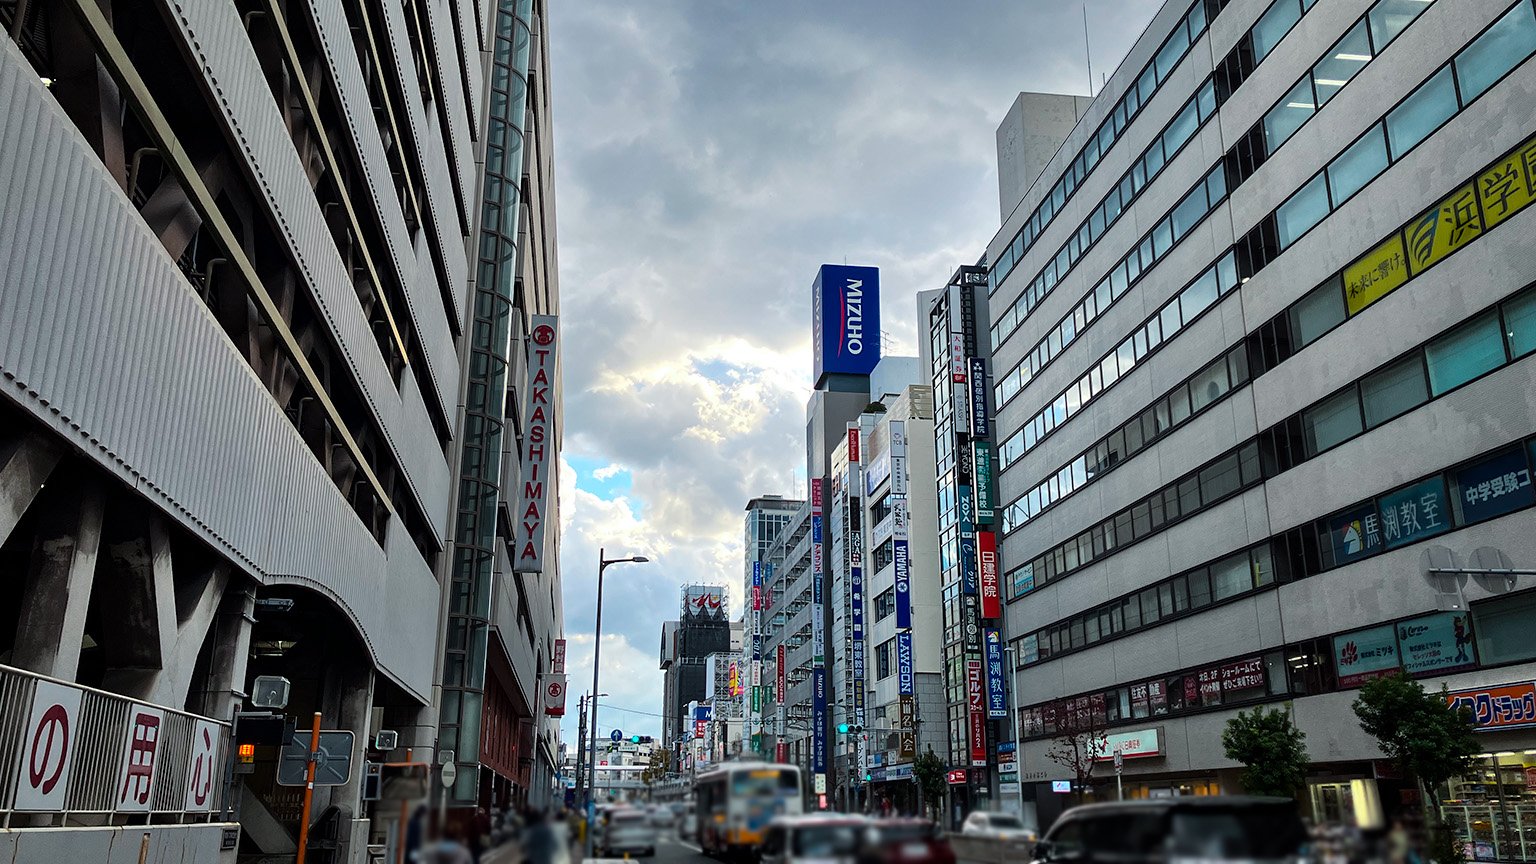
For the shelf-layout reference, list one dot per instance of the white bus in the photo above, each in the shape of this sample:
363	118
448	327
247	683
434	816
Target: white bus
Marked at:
735	802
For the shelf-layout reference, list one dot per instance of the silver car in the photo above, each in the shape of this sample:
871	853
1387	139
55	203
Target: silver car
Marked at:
629	830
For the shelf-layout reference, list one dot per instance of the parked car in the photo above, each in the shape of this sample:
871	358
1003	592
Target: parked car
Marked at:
906	841
818	838
997	825
629	830
1217	828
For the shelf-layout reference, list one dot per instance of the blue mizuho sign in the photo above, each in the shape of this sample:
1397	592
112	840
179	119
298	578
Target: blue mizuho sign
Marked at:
845	328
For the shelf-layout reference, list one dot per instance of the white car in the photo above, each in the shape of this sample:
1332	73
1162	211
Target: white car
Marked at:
1002	826
820	838
629	830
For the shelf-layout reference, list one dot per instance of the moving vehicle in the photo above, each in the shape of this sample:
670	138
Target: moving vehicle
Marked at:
661	815
832	838
1000	826
906	841
628	830
1216	828
735	801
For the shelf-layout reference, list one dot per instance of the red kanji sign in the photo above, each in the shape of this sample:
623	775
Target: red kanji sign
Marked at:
141	747
47	751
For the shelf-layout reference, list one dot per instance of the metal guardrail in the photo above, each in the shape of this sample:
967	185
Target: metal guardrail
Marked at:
71	750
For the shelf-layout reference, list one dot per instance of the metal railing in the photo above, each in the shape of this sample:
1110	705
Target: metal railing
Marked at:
70	751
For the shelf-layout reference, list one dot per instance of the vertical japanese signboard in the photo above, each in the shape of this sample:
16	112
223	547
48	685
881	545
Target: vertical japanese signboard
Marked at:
781	676
538	448
976	712
906	678
203	770
997	697
981	426
986	555
141	753
48	748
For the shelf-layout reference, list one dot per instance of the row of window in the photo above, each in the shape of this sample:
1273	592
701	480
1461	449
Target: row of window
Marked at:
1382	23
1201	107
1367	38
1199	295
1494	632
1502	190
1184	401
1179	131
1499	336
1232	472
1498	49
1506	43
1251	50
1152	76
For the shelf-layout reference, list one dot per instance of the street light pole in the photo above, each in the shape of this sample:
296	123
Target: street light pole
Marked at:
1018	740
597	647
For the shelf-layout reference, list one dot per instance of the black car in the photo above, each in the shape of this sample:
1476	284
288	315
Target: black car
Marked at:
1216	828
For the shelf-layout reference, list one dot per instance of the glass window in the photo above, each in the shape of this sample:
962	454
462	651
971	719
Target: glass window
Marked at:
1295	108
1273	26
1199	588
1391	17
1317	313
1172	50
1209	384
1422	112
1189	495
1458	357
1189	211
1179	401
1394	390
1219	479
1162	235
1170	316
1231	576
1503	629
1335	420
1510	40
1183	126
1199	295
1303	210
1348	56
1357	166
1520	324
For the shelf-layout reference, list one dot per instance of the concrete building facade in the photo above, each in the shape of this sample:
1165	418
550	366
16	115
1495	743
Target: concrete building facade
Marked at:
1261	349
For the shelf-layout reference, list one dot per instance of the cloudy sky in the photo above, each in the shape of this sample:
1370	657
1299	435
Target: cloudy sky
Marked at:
710	154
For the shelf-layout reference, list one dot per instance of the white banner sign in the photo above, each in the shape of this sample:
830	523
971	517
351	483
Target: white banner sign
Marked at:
203	767
538	449
48	747
141	752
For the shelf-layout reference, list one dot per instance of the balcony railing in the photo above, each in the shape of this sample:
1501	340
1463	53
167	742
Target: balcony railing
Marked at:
71	750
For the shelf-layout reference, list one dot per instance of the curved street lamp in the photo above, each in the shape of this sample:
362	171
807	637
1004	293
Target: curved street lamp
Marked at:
597	646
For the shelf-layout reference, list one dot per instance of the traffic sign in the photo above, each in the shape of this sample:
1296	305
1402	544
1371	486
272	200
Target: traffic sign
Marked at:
450	774
1119	760
333	759
616	736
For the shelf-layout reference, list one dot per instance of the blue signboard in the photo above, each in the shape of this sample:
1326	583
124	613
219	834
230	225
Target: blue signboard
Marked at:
1355	534
906	684
856	613
1415	512
816	529
997	697
818	720
981	426
845	320
1494	487
1365	654
969	580
901	558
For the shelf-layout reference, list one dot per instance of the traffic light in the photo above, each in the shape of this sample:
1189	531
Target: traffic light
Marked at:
634	739
842	728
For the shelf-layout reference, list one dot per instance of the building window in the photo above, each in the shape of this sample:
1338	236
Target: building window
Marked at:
1465	354
1303	210
1422	112
1520	323
1502	628
1393	391
883	653
885	604
1295	108
1334	421
1357	165
1497	51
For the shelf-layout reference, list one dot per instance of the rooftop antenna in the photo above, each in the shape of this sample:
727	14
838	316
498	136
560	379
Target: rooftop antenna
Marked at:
1087	53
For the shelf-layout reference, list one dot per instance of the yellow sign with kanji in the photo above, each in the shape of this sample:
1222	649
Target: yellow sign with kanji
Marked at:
1376	274
1444	228
1510	185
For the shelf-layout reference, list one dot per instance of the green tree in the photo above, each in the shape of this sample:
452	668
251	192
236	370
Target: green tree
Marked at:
1418	731
929	771
656	768
1273	752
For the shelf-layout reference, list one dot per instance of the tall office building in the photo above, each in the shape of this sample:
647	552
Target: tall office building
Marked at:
703	628
1260	334
766	517
236	291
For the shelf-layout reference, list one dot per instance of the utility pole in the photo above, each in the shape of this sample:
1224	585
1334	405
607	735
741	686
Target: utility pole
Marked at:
581	750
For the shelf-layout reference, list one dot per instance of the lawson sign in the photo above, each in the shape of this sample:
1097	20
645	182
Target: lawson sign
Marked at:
846	320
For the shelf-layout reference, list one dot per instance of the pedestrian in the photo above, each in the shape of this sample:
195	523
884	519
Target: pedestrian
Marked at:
545	841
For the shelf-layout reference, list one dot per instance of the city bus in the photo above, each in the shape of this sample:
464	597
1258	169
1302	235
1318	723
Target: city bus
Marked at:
735	802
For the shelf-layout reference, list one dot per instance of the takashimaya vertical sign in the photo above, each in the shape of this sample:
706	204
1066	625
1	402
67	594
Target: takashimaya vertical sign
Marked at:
845	320
538	450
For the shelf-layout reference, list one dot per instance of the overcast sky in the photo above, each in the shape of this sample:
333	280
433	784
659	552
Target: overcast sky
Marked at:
709	156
